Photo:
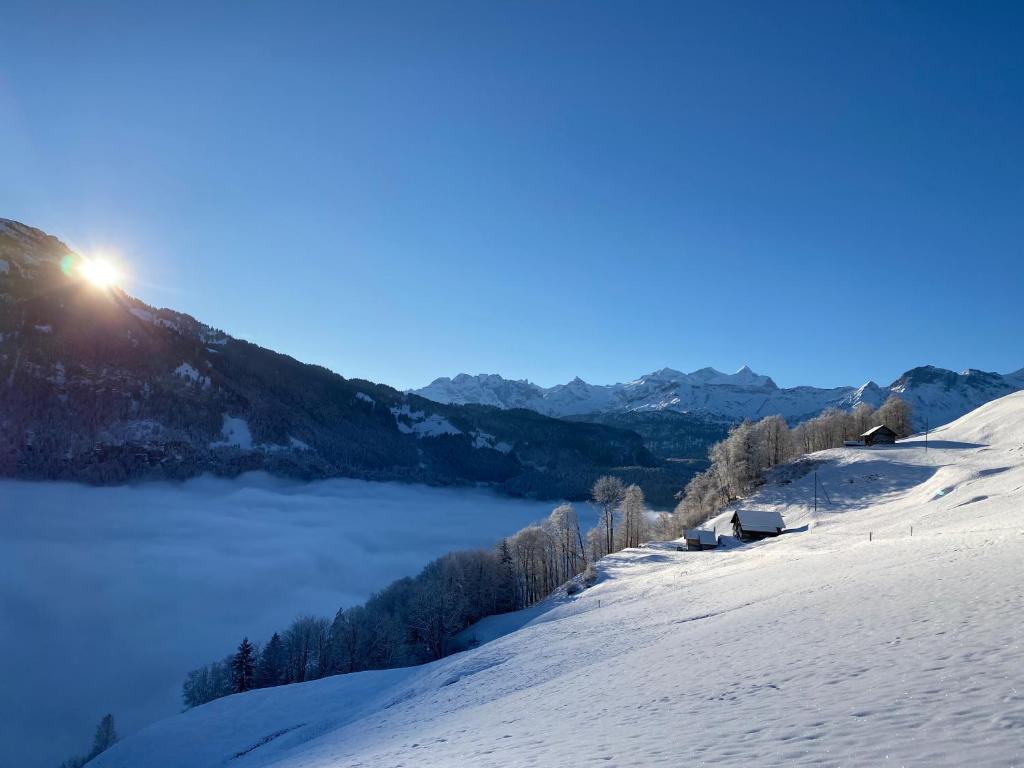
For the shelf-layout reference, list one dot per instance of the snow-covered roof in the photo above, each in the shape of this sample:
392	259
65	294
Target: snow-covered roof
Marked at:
702	535
759	520
873	430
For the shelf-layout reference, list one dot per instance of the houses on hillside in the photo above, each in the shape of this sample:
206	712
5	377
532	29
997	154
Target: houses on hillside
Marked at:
879	435
756	524
700	539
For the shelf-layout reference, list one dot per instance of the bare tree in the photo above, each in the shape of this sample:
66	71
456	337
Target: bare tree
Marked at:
863	419
436	608
633	528
895	413
608	492
349	633
774	433
307	648
564	527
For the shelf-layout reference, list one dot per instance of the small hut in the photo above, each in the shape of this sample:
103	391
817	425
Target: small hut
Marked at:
752	525
879	434
700	539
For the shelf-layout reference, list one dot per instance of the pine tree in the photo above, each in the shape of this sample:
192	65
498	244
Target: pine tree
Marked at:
271	665
105	738
506	578
243	668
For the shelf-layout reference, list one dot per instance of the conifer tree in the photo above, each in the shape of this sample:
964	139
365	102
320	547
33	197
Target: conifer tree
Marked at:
270	670
243	668
105	738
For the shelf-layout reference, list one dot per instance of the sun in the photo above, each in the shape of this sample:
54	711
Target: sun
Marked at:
99	272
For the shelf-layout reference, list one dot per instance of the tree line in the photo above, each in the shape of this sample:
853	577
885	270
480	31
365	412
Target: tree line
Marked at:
415	620
739	463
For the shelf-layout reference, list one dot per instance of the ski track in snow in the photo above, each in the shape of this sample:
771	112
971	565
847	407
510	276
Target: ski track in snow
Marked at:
817	648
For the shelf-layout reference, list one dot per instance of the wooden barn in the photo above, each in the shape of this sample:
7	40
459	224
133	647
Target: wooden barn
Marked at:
879	434
752	525
700	538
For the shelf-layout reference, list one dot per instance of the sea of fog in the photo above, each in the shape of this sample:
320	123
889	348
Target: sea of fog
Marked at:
108	596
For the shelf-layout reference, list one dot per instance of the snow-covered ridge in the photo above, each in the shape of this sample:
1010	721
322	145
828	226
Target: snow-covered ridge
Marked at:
884	630
937	395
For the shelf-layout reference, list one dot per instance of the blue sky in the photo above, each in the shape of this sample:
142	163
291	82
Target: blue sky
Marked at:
400	191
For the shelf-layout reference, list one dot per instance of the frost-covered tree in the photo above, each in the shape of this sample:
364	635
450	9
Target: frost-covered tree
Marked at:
773	434
596	543
564	527
895	413
633	524
864	418
529	551
667	526
608	492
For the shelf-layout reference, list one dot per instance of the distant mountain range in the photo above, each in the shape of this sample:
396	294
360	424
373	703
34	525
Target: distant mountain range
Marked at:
97	386
936	395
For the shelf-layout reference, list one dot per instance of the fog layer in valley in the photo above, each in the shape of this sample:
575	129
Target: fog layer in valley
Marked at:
108	596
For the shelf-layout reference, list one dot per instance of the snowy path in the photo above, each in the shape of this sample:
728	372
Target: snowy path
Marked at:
818	648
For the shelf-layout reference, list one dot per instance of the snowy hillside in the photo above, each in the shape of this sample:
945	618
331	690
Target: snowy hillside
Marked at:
821	647
936	394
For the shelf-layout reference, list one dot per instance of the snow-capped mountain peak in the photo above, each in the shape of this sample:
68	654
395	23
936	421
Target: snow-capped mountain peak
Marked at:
936	394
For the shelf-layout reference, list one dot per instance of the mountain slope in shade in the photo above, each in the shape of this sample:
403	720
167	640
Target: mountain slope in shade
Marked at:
937	395
97	386
822	647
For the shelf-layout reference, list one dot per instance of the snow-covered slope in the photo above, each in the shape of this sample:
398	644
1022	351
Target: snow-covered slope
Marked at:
937	395
853	642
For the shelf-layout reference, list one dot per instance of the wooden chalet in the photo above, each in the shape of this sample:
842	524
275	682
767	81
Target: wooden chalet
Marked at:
752	525
700	539
879	434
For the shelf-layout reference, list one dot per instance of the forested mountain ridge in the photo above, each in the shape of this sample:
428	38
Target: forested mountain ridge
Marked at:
97	386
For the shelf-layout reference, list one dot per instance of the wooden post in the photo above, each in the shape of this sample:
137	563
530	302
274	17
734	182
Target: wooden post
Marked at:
911	530
869	535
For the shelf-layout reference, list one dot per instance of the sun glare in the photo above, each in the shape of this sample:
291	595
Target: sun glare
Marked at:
99	272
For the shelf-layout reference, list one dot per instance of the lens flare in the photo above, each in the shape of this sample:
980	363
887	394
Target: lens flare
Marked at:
99	272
